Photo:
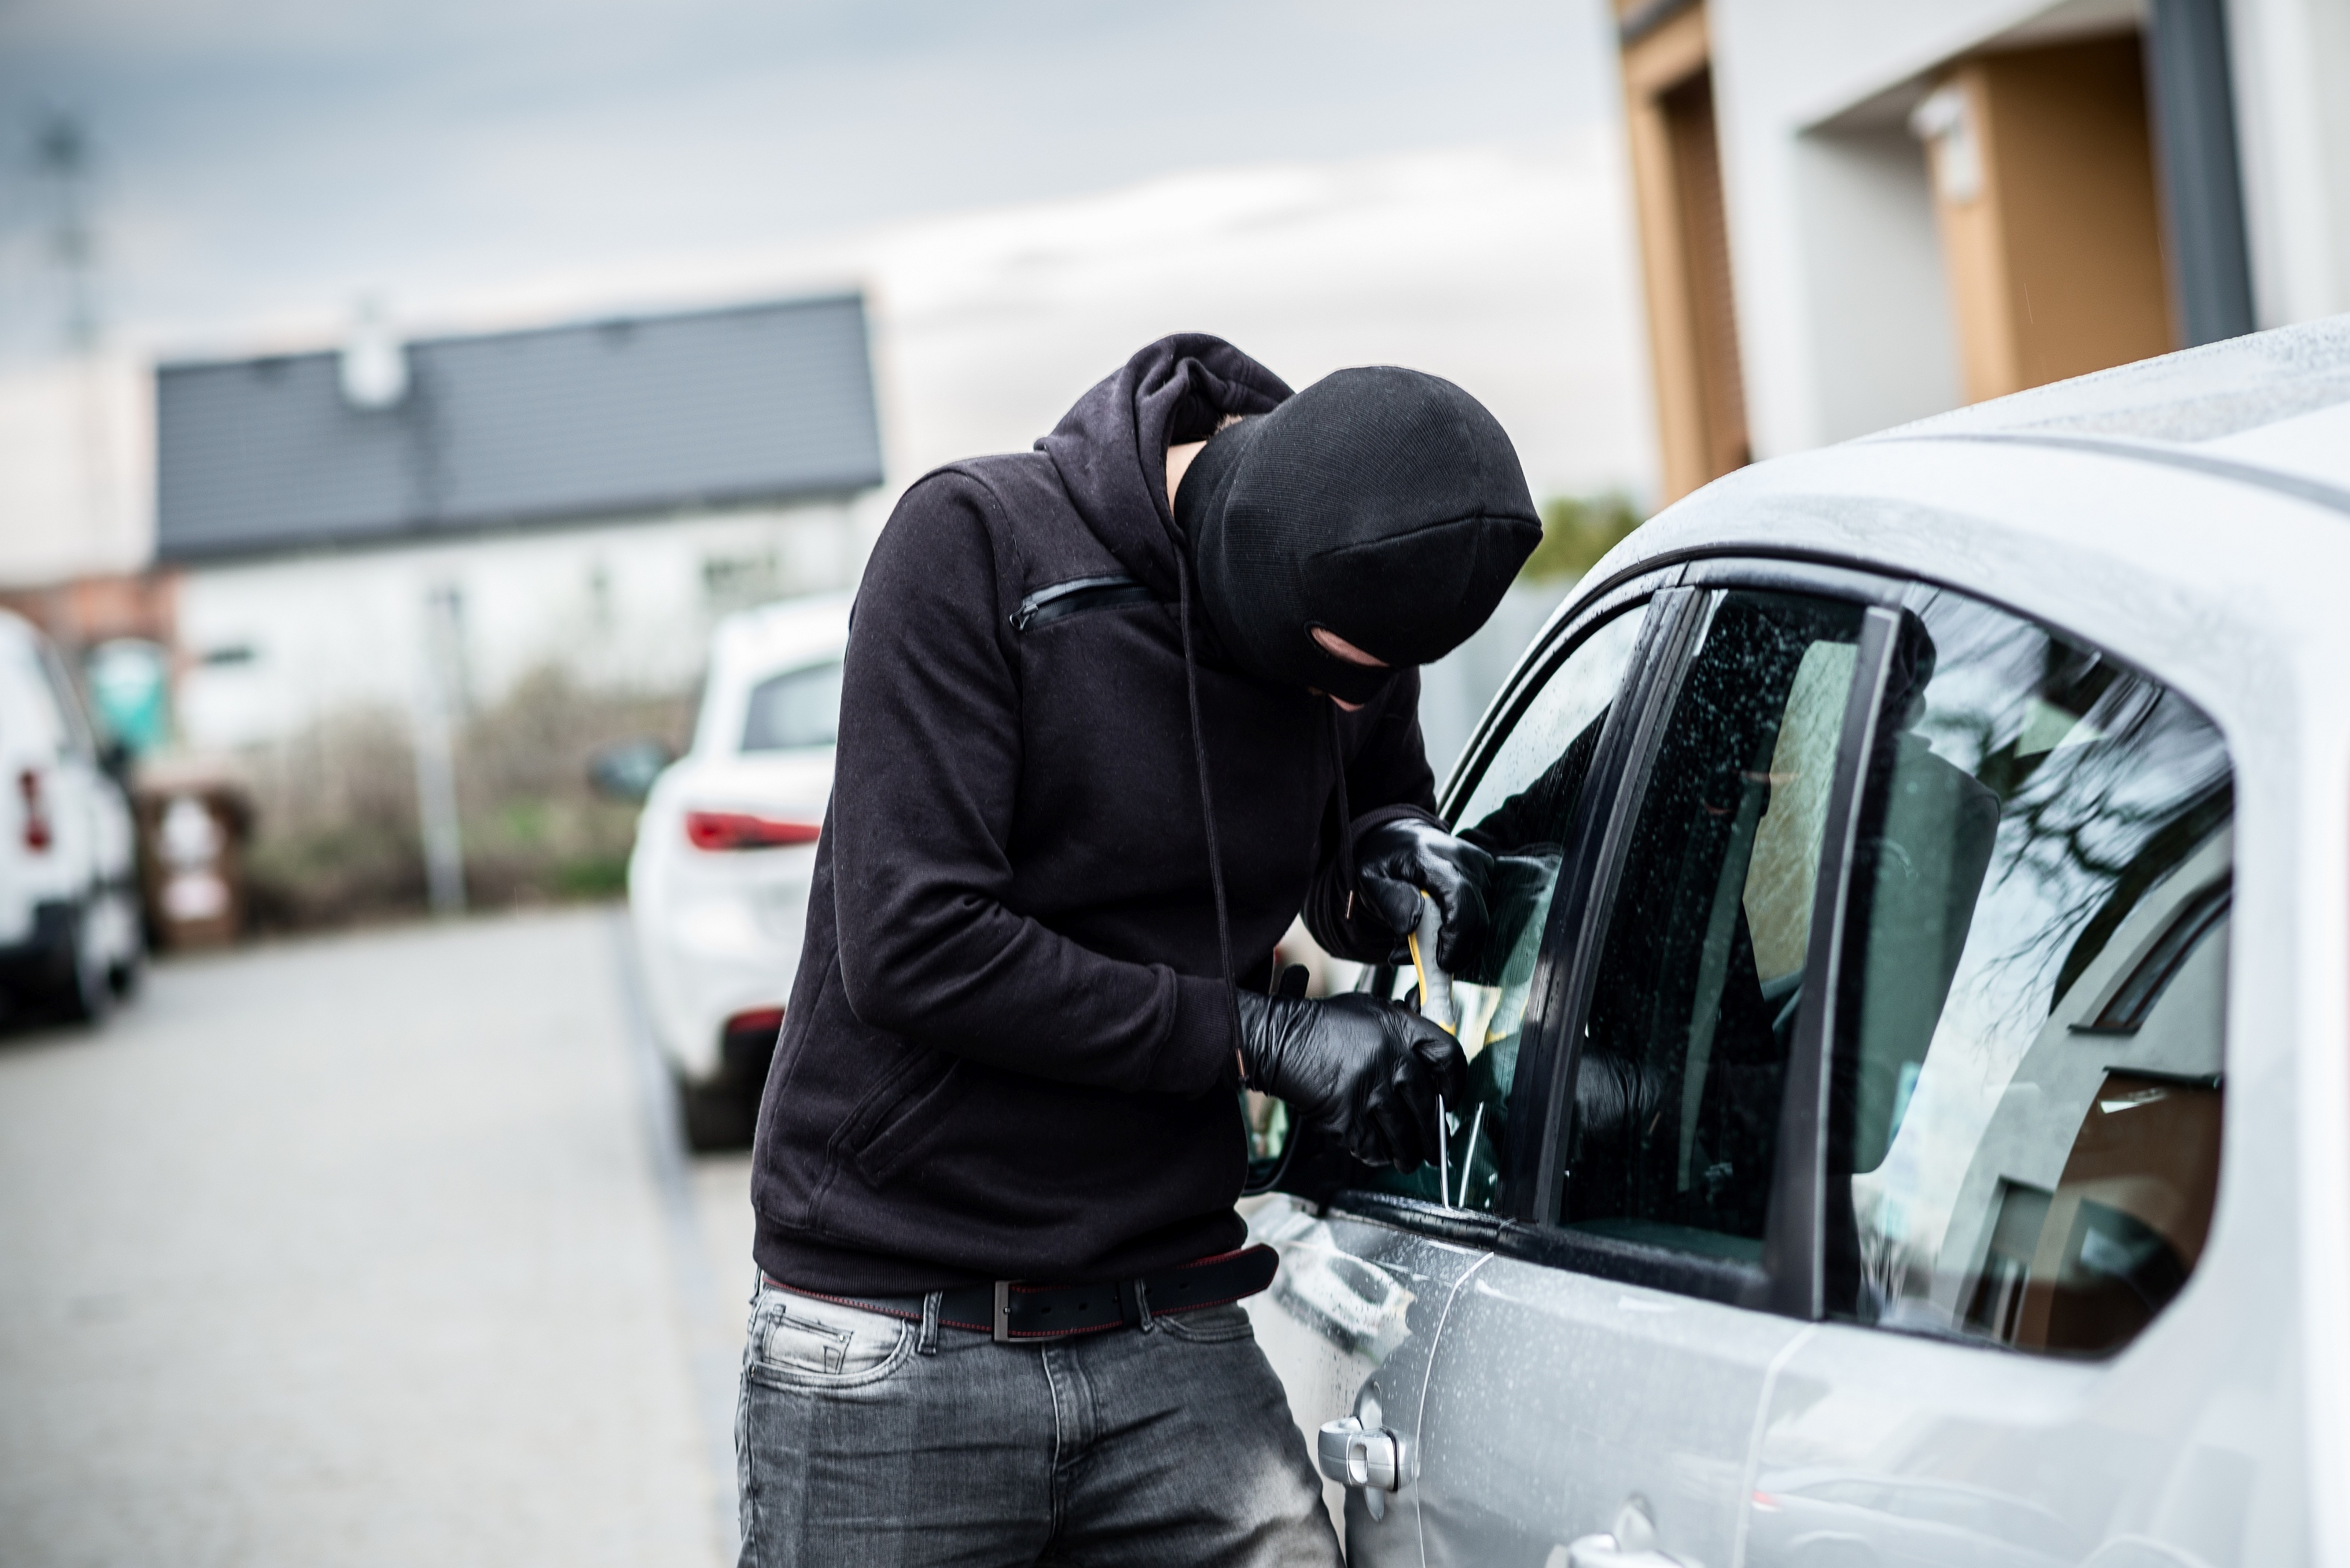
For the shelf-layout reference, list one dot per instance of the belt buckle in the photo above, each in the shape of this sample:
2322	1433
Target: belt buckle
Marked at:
1003	1312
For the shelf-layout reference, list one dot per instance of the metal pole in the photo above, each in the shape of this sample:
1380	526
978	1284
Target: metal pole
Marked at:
436	772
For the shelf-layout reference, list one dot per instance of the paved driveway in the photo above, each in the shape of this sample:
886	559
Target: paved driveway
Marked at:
373	1248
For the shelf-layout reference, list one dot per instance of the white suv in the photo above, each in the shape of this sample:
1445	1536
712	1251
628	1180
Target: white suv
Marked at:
1908	1119
69	935
718	881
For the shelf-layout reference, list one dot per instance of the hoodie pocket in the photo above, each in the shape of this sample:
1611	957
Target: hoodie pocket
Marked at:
1076	597
894	1138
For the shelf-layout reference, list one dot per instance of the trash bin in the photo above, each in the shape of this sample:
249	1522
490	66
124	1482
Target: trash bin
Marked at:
191	836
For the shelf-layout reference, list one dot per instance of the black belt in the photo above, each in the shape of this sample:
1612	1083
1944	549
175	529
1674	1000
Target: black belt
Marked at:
1010	1309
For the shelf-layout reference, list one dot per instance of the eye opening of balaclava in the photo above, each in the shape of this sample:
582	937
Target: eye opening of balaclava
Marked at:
1383	505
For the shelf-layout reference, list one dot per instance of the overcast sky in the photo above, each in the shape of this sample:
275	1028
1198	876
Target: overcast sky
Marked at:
261	161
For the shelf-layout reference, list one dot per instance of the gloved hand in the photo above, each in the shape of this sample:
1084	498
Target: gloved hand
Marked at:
1368	1070
1397	860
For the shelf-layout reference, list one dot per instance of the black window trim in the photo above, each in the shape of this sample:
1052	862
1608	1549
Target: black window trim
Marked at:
1564	973
1795	1237
1531	1185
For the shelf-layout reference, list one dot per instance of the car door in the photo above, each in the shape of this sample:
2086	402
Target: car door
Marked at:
1372	1260
2043	1335
1593	1393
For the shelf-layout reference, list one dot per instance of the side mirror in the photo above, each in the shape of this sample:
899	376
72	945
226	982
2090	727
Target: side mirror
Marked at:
626	771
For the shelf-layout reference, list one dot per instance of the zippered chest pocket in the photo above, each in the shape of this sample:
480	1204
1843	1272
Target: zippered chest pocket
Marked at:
1076	597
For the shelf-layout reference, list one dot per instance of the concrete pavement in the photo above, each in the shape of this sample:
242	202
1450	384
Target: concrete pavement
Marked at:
364	1249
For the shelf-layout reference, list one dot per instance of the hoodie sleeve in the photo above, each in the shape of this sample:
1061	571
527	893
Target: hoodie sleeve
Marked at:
1388	777
923	796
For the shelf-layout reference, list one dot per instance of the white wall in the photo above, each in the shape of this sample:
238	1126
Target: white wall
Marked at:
75	469
1882	341
1844	316
1840	300
629	605
2292	61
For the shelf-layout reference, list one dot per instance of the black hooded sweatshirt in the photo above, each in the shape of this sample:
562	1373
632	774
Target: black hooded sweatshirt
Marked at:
1009	1049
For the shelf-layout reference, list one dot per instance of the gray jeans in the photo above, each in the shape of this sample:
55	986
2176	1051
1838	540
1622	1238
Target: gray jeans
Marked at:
857	1451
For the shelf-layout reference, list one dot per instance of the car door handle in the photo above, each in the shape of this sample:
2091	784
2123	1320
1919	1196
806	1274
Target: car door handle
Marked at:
1353	1455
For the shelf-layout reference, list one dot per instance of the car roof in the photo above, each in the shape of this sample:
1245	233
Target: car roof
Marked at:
2265	407
752	643
2190	514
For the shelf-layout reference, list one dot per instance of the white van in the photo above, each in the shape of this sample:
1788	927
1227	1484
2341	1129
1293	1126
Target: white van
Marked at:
70	942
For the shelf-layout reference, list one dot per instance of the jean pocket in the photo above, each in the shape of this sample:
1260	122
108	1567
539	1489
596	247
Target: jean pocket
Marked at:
800	1340
1210	1325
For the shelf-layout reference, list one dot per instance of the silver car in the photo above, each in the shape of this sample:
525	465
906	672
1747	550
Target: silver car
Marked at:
1878	1149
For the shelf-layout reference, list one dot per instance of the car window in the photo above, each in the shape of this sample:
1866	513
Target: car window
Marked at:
77	738
1698	990
2025	1117
40	726
1521	810
799	708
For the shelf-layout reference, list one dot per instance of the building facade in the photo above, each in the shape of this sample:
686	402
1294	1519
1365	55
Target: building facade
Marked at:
1856	212
431	522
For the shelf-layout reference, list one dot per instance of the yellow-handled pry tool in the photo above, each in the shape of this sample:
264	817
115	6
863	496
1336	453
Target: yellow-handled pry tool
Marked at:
1436	1006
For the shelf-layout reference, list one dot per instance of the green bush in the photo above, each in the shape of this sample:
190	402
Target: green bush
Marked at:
1577	531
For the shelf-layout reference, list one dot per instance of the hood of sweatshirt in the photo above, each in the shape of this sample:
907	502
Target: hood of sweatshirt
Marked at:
1111	448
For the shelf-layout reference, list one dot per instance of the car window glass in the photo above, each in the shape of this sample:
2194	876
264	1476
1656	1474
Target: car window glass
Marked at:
1521	811
797	708
2025	1117
1697	992
78	737
31	702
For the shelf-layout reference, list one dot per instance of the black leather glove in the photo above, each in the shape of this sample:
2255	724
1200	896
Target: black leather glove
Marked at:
1397	860
1368	1071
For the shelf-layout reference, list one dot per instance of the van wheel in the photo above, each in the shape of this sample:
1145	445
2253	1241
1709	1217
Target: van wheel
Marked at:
123	975
718	1117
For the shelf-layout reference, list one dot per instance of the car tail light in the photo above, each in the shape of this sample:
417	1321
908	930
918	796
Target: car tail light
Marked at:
741	830
761	1023
1766	1503
37	836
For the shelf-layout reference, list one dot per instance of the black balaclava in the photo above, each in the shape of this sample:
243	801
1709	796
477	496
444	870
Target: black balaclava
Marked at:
1382	504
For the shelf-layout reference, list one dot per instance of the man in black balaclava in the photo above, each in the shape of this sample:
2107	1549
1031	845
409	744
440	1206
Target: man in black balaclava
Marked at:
1368	524
1115	712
